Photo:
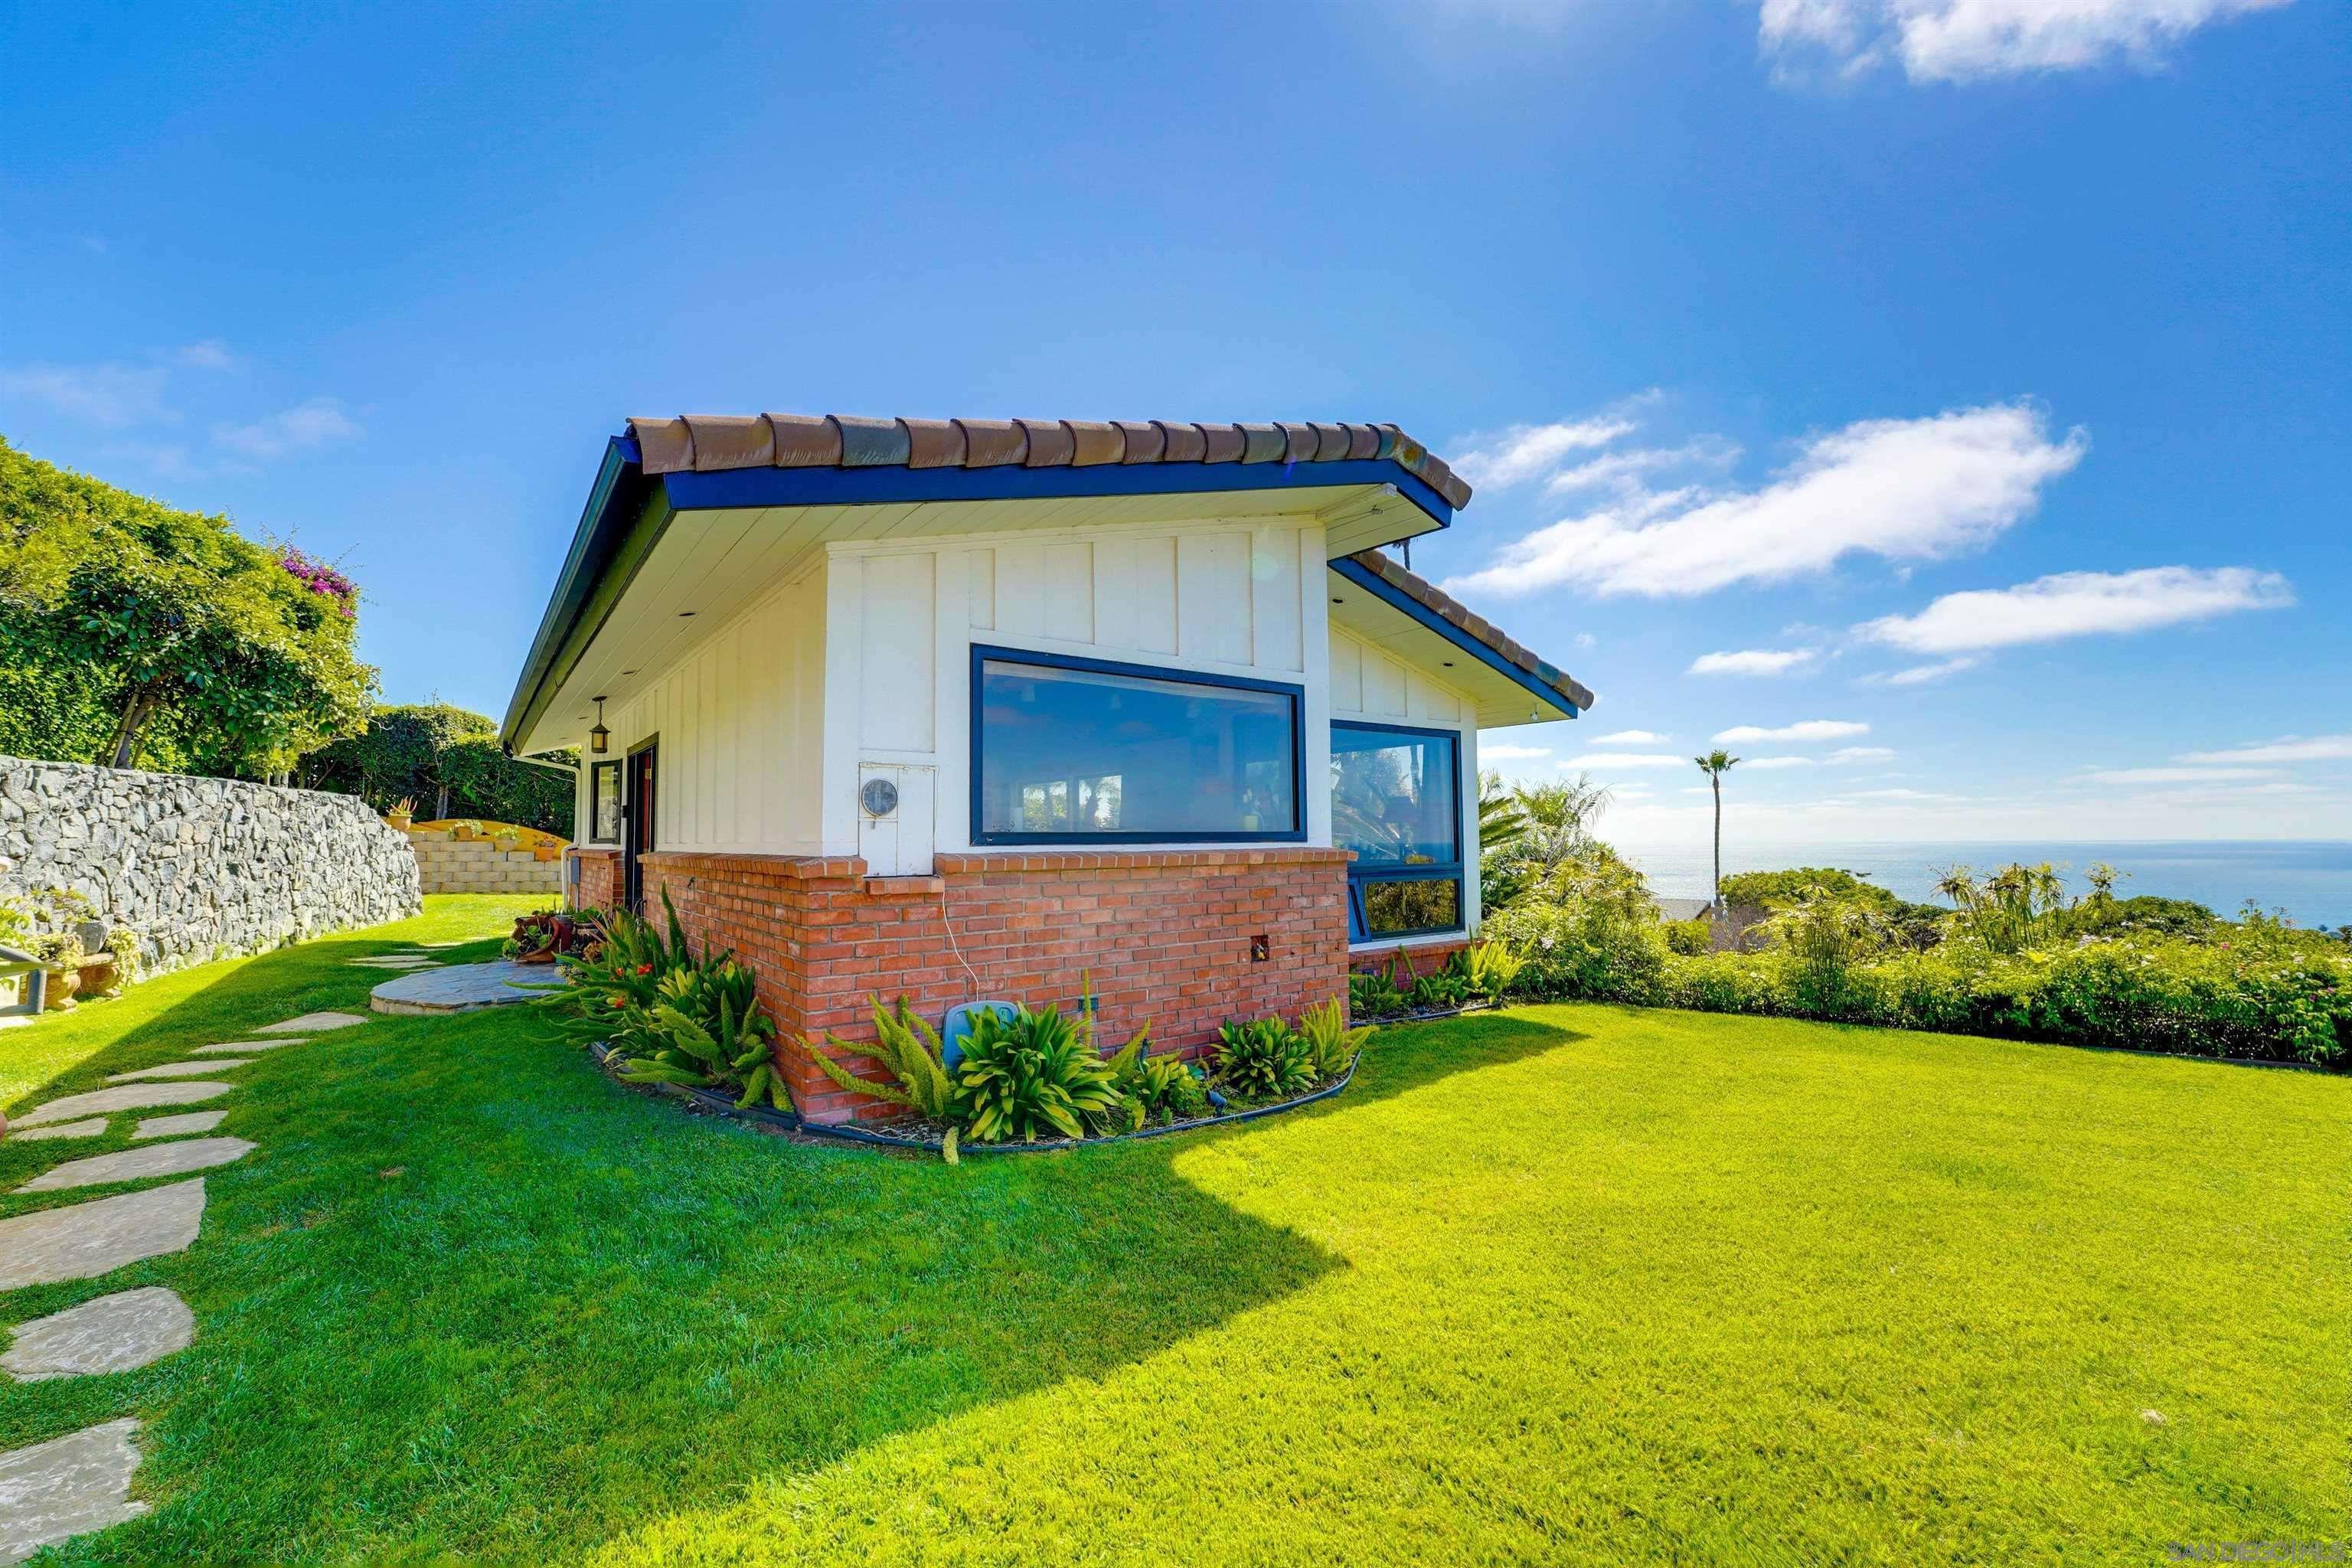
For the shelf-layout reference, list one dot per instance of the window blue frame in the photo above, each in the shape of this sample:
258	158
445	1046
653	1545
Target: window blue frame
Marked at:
1360	875
1295	832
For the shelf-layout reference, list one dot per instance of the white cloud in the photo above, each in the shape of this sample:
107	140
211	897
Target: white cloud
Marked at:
1612	762
1901	794
1632	738
1805	729
2291	749
1752	762
112	395
1920	674
1964	41
2077	603
1755	661
209	354
1505	752
306	425
1849	755
1585	639
1515	455
1914	489
2175	775
1622	470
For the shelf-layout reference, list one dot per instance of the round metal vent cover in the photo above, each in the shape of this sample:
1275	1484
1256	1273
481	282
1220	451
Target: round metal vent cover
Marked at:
880	797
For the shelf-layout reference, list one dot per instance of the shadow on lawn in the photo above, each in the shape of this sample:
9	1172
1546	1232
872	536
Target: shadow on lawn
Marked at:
475	1298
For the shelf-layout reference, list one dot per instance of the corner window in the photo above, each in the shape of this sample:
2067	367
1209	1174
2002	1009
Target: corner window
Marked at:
1396	801
1077	750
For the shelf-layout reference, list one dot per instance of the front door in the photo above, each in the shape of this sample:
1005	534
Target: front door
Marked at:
637	836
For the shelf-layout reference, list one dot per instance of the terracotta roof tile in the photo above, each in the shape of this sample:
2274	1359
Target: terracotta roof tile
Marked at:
703	443
1454	612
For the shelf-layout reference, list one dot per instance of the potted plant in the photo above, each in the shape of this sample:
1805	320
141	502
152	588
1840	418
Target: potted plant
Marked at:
61	953
547	849
401	815
463	832
507	840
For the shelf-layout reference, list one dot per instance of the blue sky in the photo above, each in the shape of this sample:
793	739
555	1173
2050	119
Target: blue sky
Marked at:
1946	398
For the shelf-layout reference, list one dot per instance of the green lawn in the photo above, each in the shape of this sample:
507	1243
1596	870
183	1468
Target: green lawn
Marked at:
1572	1284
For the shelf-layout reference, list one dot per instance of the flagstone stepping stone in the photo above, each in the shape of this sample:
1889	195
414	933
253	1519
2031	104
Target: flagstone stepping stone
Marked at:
417	961
173	1126
67	1487
89	1129
137	1165
180	1069
460	987
128	1097
313	1023
120	1333
233	1046
81	1241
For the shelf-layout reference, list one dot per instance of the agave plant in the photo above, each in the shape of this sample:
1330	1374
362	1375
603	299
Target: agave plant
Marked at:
1263	1059
733	1049
1032	1073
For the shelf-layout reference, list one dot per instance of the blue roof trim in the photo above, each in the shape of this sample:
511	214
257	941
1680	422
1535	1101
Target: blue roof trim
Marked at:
613	502
690	491
1373	583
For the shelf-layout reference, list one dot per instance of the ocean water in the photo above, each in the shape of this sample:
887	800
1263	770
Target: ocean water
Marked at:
2311	881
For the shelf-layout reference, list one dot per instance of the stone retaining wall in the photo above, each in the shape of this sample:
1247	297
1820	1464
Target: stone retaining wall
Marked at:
478	866
200	867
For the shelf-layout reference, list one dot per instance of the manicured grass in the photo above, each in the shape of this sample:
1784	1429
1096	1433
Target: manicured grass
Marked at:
1568	1284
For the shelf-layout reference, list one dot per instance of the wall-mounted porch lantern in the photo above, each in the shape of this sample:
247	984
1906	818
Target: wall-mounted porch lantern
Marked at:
600	737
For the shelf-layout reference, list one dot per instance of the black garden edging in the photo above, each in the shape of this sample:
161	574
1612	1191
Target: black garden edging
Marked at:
1427	1016
791	1122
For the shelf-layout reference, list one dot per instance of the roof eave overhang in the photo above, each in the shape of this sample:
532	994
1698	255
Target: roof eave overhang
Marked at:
620	525
1548	703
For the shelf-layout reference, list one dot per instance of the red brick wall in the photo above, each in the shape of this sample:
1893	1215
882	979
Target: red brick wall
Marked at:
1165	935
1423	958
599	887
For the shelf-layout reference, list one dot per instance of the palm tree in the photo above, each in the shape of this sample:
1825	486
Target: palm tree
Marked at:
1715	765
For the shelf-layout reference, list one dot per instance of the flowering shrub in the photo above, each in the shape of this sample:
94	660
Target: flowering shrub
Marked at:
320	578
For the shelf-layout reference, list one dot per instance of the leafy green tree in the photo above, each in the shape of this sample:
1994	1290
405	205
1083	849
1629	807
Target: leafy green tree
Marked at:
1541	828
448	759
204	649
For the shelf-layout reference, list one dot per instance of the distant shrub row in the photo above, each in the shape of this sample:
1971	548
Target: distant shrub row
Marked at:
2013	959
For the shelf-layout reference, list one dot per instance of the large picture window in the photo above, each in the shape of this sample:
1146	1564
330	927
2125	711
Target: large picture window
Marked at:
1071	750
1396	801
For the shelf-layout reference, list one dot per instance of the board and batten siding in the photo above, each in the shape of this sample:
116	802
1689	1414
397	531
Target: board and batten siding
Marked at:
1371	687
738	720
1226	597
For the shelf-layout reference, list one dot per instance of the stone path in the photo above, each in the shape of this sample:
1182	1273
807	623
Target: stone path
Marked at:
89	1129
313	1023
66	1486
130	1097
172	1126
461	987
180	1157
80	1482
120	1333
83	1240
179	1070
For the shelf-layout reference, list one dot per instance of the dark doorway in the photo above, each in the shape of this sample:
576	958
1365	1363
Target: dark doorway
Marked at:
637	832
